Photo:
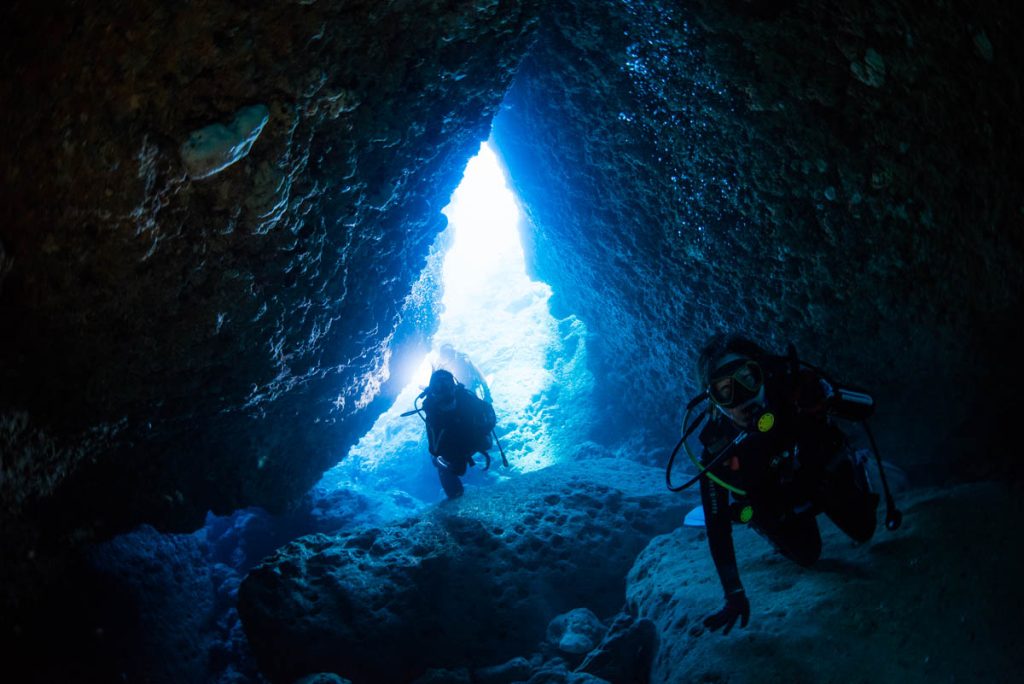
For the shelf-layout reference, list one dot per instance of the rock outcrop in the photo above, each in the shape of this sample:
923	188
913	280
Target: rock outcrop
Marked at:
472	584
212	237
213	219
843	177
158	604
940	598
575	632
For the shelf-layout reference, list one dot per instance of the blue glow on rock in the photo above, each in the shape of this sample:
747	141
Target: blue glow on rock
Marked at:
501	319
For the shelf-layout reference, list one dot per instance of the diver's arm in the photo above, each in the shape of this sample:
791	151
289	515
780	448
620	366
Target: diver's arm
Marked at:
718	523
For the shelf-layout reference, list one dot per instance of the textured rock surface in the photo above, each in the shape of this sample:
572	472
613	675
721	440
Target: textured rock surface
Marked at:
233	329
560	675
473	583
517	669
212	149
844	176
575	632
625	653
165	613
322	678
940	599
165	589
172	346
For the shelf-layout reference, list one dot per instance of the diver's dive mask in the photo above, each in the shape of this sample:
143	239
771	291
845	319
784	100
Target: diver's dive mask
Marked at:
735	382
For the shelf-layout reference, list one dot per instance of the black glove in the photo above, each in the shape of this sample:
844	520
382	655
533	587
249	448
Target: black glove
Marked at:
736	606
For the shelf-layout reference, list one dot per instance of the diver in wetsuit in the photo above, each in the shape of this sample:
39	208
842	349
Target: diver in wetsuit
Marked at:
459	425
775	460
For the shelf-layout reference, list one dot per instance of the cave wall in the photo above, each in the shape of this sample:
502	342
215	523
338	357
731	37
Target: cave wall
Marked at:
842	176
212	217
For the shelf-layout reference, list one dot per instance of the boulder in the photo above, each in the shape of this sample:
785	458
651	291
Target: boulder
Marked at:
322	678
625	653
442	676
575	632
472	583
561	675
517	669
158	598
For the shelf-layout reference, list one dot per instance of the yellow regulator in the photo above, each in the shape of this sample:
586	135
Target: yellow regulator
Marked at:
766	422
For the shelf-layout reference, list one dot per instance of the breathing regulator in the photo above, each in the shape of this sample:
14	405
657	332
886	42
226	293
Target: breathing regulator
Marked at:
739	384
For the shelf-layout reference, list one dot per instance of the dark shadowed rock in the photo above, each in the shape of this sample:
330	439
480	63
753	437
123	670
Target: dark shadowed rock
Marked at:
158	604
473	583
322	678
438	676
213	220
517	669
560	675
209	245
626	652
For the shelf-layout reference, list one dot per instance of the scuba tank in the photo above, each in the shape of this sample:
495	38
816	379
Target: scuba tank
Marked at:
849	404
856	405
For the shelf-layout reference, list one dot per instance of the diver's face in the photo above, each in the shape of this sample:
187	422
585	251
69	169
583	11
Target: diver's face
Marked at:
736	391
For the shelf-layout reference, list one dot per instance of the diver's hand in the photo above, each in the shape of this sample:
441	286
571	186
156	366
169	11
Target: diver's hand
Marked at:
736	606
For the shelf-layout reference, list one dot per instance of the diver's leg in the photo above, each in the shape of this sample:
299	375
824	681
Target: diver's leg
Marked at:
450	482
849	502
796	536
449	473
459	465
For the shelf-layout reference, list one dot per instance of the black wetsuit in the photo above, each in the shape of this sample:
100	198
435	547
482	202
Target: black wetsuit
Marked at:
454	435
798	468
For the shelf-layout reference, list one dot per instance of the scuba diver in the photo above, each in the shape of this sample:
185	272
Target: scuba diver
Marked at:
459	424
464	370
773	458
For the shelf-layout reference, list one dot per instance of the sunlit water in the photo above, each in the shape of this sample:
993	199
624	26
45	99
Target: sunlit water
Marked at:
499	317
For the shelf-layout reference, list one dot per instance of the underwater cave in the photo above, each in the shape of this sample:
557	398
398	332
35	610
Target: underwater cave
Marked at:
236	239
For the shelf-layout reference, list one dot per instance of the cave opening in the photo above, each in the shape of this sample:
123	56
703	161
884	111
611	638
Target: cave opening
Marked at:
497	317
